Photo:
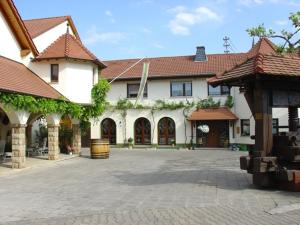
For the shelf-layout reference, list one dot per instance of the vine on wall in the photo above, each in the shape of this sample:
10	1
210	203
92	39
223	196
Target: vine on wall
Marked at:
61	106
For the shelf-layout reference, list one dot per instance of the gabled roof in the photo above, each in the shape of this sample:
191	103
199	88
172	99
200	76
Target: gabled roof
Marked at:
264	60
17	78
67	46
17	25
39	26
169	67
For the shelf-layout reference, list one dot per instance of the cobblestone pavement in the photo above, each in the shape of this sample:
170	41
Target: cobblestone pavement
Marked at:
142	187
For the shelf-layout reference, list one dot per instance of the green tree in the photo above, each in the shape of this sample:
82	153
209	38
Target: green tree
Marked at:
291	38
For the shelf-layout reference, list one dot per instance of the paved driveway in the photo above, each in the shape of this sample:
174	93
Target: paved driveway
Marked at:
142	187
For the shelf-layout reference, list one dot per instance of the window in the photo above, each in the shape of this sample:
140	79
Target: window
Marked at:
181	89
245	127
218	90
275	126
54	72
133	90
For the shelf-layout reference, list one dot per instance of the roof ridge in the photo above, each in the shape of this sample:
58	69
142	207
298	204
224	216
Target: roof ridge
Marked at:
177	56
259	63
50	46
45	18
84	48
66	51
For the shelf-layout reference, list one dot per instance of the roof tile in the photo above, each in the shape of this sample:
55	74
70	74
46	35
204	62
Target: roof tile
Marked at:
15	77
67	46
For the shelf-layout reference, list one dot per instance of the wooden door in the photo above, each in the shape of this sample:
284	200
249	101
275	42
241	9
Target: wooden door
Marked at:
108	131
216	137
142	132
166	131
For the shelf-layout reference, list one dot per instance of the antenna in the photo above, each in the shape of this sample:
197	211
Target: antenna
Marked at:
226	44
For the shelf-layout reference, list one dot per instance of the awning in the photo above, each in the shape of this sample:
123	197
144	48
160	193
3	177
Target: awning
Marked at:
222	113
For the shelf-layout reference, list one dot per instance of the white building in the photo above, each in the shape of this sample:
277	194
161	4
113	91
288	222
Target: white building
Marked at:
175	79
41	58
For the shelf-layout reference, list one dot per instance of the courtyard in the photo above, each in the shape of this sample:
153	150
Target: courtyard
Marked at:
143	187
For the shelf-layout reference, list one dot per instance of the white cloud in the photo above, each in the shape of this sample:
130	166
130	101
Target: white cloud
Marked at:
252	2
94	37
109	14
184	19
158	45
146	30
281	22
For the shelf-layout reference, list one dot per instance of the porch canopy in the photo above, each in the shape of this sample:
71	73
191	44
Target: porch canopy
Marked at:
222	113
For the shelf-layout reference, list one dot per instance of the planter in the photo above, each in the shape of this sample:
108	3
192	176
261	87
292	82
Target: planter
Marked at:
99	149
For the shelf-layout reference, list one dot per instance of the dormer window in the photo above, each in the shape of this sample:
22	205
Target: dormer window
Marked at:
54	73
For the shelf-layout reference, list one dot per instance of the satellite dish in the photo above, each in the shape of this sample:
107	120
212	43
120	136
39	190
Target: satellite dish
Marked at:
204	128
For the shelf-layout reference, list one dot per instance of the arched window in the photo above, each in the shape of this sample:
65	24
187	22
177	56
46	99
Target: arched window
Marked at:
166	131
142	131
108	130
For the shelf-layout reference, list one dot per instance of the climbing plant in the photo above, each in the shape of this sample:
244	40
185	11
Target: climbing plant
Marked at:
61	106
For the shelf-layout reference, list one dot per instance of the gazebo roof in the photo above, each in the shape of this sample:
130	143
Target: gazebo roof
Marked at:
262	60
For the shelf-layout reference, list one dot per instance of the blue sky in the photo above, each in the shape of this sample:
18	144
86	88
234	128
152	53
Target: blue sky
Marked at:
117	29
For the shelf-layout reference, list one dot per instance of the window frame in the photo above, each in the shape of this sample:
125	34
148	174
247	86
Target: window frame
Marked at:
222	92
276	120
242	128
51	73
145	95
184	88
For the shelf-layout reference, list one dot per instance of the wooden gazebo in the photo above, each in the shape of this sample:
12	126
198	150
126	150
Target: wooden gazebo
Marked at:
268	80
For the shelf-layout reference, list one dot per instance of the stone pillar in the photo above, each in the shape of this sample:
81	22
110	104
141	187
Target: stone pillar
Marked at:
76	138
53	142
18	146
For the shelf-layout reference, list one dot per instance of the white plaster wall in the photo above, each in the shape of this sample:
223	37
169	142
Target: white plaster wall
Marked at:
45	39
76	79
160	90
242	111
9	46
133	115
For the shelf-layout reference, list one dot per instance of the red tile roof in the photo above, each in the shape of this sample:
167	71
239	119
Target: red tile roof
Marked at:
222	113
67	46
264	60
15	77
36	27
175	66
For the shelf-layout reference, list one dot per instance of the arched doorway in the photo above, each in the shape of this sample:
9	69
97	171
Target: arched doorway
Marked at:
5	136
108	130
142	131
166	131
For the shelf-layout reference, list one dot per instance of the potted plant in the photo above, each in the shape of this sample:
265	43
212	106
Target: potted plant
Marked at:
173	143
130	142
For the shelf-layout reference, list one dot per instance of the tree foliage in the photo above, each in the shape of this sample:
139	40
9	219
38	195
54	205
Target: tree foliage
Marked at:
291	39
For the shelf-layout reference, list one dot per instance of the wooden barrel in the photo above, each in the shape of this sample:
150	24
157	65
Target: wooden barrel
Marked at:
99	149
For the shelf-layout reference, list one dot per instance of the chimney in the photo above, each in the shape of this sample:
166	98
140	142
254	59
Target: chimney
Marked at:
200	54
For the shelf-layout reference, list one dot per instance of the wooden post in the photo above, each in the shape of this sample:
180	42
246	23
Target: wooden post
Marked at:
293	118
192	137
263	121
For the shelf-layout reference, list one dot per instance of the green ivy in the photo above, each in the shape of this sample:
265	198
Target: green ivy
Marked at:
229	102
61	106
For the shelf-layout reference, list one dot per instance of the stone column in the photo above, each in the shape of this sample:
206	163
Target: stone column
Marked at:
18	146
76	138
53	142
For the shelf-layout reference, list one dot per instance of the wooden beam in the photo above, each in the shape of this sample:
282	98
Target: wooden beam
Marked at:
263	121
